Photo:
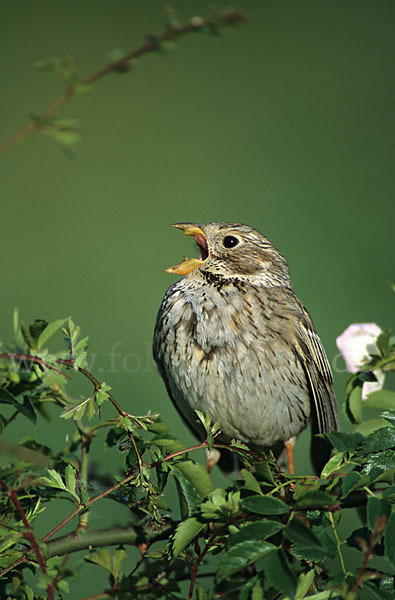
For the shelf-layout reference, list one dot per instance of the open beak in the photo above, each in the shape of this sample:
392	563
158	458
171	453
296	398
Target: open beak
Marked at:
189	264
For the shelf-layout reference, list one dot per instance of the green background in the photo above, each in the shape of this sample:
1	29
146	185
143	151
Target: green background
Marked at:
285	123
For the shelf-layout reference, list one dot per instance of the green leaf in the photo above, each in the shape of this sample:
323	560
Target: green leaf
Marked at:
256	531
377	508
389	416
49	331
265	505
299	533
353	481
189	497
168	444
279	574
315	553
380	463
263	469
383	342
250	483
381	439
369	426
27	336
77	411
26	409
382	399
102	558
35	330
345	441
304	582
382	587
70	479
240	556
333	464
117	558
355	404
314	499
196	474
257	591
55	480
186	531
389	537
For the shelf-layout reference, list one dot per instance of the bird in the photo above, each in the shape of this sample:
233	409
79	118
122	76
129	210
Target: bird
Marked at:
233	341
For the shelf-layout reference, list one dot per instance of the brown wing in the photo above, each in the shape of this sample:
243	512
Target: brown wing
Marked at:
319	376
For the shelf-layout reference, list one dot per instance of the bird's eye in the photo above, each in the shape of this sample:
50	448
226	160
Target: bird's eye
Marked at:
230	241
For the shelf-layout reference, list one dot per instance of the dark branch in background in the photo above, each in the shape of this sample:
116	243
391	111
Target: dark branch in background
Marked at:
152	44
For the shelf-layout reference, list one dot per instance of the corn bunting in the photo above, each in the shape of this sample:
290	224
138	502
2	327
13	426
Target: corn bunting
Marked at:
233	341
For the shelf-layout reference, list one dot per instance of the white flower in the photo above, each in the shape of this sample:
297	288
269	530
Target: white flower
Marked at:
356	343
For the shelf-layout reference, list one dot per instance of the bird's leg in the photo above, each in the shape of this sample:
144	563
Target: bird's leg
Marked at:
289	447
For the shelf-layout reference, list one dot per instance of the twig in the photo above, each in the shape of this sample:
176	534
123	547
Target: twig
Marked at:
207	547
29	535
379	527
151	44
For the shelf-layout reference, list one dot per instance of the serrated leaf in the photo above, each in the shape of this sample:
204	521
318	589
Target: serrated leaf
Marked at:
381	439
265	505
240	556
49	331
314	499
379	463
87	407
381	399
186	531
196	474
389	537
355	404
189	498
315	553
279	574
389	416
102	558
299	533
260	530
54	479
26	408
70	479
345	441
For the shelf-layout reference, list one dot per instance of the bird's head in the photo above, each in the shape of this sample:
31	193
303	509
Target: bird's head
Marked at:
233	251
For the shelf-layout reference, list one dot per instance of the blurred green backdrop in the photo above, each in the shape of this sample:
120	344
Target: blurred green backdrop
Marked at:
285	123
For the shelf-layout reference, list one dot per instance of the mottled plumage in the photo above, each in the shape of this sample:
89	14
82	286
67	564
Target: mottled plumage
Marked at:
233	340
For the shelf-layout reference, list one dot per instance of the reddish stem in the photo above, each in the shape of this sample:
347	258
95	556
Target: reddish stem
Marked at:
29	535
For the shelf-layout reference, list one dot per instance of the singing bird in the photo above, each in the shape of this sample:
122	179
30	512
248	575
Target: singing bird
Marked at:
232	340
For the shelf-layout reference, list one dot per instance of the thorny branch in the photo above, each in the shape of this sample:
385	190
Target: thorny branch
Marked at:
151	44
